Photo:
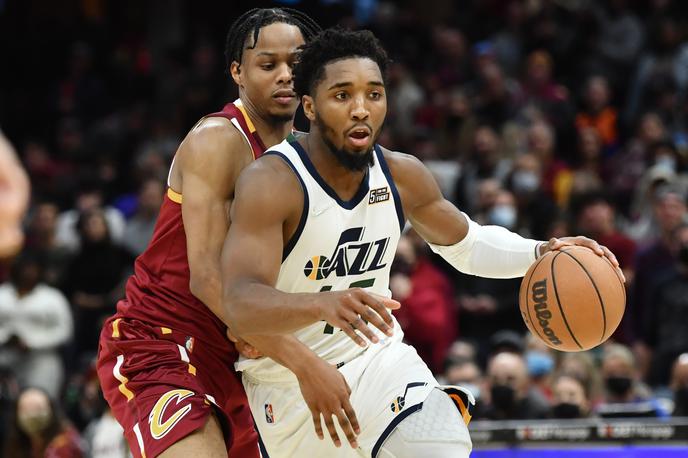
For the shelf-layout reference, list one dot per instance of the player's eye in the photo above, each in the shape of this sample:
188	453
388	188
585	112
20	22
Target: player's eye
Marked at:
341	96
267	66
376	95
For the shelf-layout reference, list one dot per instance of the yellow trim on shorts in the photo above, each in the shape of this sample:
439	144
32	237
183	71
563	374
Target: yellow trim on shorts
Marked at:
192	369
174	196
122	379
115	328
165	330
465	414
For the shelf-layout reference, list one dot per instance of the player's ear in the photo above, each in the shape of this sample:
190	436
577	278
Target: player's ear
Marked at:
235	71
308	107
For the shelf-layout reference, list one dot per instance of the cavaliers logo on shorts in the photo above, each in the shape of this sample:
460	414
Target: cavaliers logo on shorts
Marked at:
160	428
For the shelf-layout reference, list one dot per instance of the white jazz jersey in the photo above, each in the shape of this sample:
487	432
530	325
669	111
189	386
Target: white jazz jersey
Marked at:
339	245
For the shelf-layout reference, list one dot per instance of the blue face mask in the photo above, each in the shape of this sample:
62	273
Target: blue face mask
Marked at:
539	363
474	389
503	215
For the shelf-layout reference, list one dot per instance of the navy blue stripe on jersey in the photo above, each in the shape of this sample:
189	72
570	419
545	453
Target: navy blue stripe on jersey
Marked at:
261	445
392	425
392	186
347	204
304	213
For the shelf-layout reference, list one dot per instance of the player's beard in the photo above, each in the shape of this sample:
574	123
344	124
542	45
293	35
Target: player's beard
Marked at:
352	161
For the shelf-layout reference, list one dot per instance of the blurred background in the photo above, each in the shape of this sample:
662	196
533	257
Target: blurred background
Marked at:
548	117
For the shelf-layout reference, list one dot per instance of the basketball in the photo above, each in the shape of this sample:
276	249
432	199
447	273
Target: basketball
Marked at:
572	299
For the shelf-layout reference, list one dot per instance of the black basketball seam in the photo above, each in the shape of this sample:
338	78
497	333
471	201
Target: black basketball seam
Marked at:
528	297
599	296
561	309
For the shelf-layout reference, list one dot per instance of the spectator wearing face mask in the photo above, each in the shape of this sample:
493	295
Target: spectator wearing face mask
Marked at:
679	386
581	366
467	374
666	325
625	395
39	430
571	398
540	364
535	207
504	211
509	390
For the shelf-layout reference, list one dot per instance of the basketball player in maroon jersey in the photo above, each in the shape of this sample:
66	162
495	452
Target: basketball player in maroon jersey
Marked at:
165	363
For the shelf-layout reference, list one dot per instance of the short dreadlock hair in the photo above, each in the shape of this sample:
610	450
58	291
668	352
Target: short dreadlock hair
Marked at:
250	23
331	45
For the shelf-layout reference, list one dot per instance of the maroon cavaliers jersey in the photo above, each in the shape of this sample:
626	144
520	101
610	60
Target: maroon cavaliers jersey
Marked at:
158	291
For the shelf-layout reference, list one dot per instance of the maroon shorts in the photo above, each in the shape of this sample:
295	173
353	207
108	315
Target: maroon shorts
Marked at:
162	385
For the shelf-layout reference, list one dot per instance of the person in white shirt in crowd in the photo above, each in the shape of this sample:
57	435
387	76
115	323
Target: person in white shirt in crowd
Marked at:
89	197
35	320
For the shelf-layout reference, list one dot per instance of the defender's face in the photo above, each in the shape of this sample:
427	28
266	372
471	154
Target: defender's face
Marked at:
349	105
265	73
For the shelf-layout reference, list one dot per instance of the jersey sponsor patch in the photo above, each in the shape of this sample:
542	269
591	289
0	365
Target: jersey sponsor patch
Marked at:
378	195
161	423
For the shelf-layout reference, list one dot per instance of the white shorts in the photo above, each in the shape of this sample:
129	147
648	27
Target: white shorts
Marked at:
387	384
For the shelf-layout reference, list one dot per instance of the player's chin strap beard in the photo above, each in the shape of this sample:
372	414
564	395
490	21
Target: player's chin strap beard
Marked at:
353	162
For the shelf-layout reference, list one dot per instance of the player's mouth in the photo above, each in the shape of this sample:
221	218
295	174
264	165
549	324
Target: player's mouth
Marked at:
359	136
284	96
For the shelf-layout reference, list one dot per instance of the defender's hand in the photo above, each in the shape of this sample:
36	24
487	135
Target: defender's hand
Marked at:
326	393
600	250
352	310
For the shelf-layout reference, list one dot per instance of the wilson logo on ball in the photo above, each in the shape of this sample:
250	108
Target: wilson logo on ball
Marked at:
543	315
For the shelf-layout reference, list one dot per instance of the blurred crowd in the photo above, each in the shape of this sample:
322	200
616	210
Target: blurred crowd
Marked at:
546	117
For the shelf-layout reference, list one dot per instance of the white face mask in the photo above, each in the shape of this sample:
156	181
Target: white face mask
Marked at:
666	162
473	388
525	181
503	215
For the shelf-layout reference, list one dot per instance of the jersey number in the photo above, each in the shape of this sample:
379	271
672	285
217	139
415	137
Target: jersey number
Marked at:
367	283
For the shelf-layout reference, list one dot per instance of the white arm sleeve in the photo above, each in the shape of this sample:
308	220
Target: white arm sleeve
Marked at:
490	251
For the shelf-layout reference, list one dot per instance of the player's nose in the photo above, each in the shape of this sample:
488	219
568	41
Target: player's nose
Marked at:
359	109
284	73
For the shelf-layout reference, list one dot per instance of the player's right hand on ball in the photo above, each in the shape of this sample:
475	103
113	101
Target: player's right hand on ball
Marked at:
326	393
355	309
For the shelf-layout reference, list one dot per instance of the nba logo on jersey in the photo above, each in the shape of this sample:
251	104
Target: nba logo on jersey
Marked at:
269	417
379	195
189	344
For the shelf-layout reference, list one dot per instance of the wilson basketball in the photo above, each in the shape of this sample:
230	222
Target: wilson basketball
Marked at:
572	299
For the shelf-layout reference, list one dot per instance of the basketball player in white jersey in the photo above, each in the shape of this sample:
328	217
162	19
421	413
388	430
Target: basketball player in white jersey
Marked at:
315	226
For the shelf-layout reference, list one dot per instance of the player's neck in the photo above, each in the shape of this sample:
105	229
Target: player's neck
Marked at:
343	180
271	131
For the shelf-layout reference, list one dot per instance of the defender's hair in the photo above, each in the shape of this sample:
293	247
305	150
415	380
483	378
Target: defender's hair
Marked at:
250	23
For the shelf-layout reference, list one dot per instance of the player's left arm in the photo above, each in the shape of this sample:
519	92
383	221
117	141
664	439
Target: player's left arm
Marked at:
485	251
